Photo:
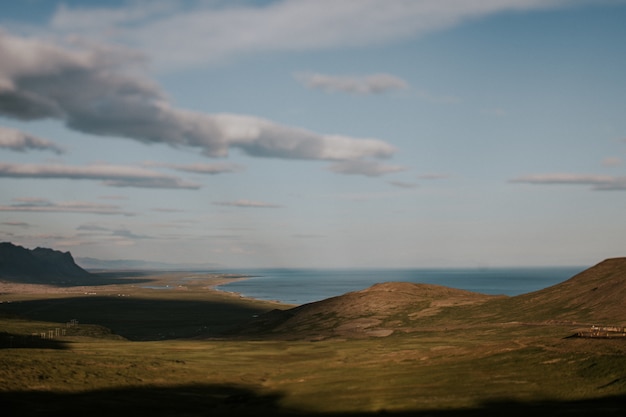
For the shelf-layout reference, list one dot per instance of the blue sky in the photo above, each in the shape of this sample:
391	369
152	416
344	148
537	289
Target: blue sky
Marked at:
315	133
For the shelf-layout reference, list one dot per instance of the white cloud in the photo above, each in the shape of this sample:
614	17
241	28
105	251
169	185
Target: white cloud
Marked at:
263	138
38	205
111	175
201	33
369	84
99	90
367	168
247	204
20	141
597	182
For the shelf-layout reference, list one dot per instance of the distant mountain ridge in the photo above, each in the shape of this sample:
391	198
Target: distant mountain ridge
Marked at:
39	265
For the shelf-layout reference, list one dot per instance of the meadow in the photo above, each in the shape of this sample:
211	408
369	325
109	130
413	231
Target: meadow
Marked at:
173	352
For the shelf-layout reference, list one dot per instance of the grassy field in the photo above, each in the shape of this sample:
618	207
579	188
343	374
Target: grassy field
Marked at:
160	352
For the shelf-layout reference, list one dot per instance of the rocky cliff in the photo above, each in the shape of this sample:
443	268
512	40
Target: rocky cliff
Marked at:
40	265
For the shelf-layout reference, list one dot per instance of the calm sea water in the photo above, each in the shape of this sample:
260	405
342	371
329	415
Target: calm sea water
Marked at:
300	286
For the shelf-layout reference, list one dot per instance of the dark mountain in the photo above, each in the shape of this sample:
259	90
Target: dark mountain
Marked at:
40	265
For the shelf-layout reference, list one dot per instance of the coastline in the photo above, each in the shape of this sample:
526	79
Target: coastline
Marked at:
197	285
174	280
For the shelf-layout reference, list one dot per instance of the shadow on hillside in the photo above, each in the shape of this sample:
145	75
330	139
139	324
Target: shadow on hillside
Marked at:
20	341
230	400
139	319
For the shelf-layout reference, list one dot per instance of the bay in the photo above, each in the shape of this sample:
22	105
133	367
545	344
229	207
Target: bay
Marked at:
301	286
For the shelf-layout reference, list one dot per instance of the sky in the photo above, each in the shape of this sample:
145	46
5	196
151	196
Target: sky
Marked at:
316	133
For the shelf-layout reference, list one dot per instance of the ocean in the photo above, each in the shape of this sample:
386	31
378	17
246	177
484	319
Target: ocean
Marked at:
301	286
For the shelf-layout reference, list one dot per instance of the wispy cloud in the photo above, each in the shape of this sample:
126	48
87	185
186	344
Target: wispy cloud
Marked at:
92	228
102	90
368	84
247	204
191	34
166	210
200	168
597	182
117	233
403	184
127	234
364	167
39	205
16	224
111	175
20	141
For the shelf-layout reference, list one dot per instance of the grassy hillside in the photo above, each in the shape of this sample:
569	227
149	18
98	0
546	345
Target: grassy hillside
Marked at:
451	353
377	311
595	296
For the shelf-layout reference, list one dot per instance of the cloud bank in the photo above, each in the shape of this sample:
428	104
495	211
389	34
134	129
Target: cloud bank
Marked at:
100	90
19	141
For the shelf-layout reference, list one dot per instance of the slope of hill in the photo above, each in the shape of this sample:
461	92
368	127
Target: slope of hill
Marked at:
376	311
594	296
40	265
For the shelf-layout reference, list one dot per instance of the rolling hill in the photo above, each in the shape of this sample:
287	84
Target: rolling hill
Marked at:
594	296
376	311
